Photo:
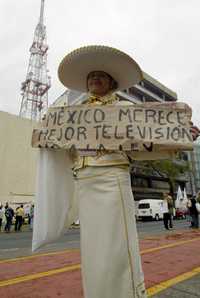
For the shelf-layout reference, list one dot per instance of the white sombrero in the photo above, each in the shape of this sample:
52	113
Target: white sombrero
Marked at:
75	67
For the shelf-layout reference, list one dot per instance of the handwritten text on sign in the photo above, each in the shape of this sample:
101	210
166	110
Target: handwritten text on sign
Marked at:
114	127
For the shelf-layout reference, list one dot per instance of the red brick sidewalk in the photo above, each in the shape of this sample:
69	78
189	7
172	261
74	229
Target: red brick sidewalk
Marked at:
169	262
163	258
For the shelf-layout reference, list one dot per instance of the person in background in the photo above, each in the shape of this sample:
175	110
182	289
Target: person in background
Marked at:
31	216
16	219
19	218
188	205
198	206
198	197
171	210
193	213
9	213
167	209
1	216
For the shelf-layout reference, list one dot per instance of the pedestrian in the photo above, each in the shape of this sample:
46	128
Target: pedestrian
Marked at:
171	210
198	206
19	218
188	206
31	216
9	213
1	216
193	213
111	263
165	211
168	211
198	197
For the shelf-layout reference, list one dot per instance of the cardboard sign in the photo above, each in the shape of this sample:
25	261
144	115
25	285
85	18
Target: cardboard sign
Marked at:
115	127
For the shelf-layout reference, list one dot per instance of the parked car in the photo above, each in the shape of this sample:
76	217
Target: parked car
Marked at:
150	209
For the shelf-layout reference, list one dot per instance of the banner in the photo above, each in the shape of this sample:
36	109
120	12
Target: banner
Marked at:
115	127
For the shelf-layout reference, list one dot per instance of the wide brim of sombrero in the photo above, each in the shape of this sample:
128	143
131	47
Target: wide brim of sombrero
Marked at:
75	67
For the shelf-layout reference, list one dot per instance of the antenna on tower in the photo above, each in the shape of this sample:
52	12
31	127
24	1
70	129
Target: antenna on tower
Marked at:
35	88
41	12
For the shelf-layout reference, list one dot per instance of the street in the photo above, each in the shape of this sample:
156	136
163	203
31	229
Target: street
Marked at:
170	268
19	244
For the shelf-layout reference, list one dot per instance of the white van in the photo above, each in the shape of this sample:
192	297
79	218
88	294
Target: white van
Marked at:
150	208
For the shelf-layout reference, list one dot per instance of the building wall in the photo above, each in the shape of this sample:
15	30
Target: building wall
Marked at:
17	159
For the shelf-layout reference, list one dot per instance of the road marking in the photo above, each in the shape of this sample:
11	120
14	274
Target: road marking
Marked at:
29	277
145	251
39	255
76	249
171	282
151	291
9	249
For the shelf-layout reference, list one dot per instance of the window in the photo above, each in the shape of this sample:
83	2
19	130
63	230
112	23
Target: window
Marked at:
144	206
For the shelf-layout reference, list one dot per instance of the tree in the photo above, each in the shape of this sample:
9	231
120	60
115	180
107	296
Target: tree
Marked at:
170	169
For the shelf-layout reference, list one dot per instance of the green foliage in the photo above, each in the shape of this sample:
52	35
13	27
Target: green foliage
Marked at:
170	169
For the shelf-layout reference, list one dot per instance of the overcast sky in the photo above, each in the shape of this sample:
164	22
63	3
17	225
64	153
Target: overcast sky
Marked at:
163	36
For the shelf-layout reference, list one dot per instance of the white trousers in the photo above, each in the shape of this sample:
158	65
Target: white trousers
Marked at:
111	263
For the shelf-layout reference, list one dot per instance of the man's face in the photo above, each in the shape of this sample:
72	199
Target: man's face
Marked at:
98	83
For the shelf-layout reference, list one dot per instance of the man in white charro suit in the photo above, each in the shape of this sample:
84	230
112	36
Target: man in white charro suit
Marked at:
111	263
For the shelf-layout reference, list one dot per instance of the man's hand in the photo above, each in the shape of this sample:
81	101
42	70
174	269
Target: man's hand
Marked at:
195	131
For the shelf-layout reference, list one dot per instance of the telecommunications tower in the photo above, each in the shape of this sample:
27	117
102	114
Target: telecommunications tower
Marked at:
35	88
